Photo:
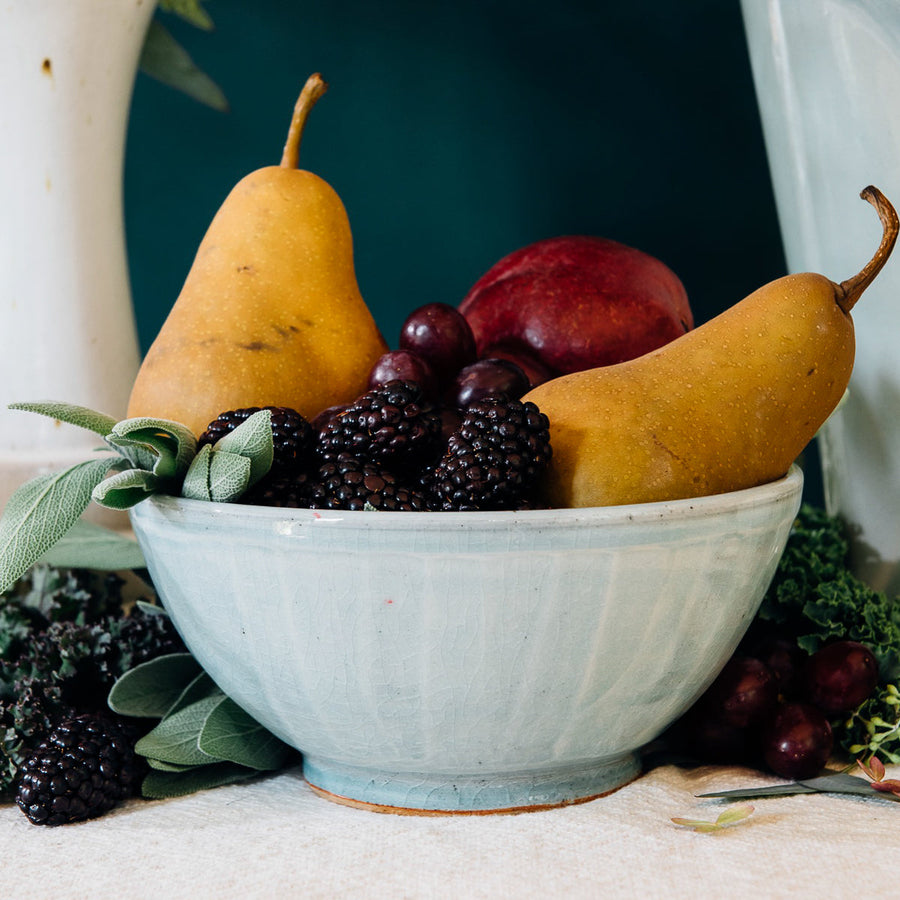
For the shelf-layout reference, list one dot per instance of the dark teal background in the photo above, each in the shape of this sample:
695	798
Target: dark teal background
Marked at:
457	132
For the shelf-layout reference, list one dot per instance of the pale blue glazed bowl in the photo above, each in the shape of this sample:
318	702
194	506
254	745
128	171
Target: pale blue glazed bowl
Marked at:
467	662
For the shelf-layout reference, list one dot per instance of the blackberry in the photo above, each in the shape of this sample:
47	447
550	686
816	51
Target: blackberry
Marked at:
83	768
346	482
394	424
292	434
492	461
291	490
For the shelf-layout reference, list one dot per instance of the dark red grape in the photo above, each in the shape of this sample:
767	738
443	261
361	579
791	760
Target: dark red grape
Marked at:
440	334
536	371
840	676
785	660
487	378
743	694
798	741
403	365
703	735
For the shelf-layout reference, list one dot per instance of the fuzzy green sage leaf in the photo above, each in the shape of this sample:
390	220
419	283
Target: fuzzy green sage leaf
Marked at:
41	511
729	817
171	444
252	439
87	545
838	783
164	59
71	414
159	785
150	689
231	734
216	475
199	688
174	739
229	476
163	766
126	489
190	10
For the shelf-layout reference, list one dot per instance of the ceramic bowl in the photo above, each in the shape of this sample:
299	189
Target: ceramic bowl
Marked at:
479	661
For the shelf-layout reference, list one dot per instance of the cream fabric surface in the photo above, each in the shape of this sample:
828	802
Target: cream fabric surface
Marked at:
275	838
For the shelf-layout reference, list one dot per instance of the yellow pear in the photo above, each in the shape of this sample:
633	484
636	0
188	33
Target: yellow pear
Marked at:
726	406
270	313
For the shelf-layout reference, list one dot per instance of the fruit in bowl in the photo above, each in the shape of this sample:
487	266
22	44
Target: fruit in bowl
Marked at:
419	541
577	302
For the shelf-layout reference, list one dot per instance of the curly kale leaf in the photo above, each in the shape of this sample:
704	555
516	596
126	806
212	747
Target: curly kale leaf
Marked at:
65	640
847	609
816	553
815	598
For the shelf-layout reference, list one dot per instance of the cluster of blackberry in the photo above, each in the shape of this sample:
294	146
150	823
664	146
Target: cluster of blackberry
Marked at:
395	449
83	768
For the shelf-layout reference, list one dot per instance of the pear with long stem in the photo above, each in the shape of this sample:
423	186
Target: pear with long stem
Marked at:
270	313
726	406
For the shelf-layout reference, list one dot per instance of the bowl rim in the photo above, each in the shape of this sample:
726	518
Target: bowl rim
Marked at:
768	493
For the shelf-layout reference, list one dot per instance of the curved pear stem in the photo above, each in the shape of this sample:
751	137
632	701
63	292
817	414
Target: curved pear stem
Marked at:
313	89
849	291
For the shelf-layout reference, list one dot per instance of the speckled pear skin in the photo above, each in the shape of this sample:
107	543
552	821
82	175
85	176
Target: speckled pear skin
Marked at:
724	407
270	313
452	662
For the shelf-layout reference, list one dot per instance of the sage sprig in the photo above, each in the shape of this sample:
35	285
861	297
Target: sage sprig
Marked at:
203	738
139	457
836	783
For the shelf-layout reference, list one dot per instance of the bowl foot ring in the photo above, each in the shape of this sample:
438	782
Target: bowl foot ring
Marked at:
409	811
444	795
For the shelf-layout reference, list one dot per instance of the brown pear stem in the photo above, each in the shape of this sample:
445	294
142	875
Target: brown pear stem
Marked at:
313	89
849	291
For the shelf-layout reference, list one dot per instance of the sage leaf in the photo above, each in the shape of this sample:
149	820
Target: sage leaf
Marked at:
171	444
838	783
136	454
162	766
253	439
41	511
174	739
199	688
126	489
89	546
730	817
162	785
164	59
216	475
71	414
229	476
189	10
196	482
231	734
151	609
150	689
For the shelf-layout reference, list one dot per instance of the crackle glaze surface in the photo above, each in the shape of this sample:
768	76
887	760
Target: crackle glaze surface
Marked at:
467	661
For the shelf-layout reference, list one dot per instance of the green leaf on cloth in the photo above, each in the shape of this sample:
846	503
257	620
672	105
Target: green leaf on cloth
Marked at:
41	511
231	734
87	545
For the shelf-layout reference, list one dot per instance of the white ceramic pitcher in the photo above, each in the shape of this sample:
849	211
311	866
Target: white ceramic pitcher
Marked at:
66	322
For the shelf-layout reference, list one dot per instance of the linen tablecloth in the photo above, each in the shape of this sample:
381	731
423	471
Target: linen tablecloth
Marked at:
273	837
